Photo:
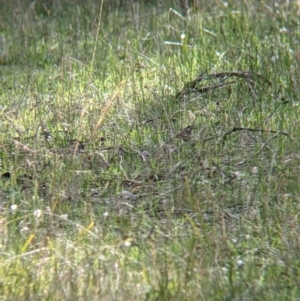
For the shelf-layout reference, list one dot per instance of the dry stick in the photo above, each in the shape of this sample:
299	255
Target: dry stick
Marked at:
106	108
223	76
235	129
204	89
104	112
212	88
96	39
247	75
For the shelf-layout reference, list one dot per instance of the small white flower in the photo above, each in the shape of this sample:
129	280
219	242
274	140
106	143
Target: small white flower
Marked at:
274	58
105	214
102	257
14	207
225	270
286	196
127	243
254	171
64	217
283	30
24	229
37	213
240	263
238	175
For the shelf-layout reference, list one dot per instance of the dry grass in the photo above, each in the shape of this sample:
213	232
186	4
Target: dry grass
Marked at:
149	153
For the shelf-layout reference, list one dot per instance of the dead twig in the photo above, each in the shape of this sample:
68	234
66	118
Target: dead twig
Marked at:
236	129
223	77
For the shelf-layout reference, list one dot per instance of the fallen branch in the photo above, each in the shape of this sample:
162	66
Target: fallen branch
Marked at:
236	129
223	77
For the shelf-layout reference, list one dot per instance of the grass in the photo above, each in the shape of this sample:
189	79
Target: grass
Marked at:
125	175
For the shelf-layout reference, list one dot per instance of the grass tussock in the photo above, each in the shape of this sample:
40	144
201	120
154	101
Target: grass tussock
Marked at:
149	151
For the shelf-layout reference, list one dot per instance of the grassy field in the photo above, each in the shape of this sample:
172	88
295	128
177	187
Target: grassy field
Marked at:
149	152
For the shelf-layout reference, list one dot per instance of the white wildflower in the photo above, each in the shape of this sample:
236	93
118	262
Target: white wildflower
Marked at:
14	207
240	263
37	213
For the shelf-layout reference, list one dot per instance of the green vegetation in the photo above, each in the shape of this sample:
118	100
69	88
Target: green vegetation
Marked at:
149	153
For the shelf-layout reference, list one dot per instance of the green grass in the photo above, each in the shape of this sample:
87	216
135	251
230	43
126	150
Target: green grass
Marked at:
93	103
